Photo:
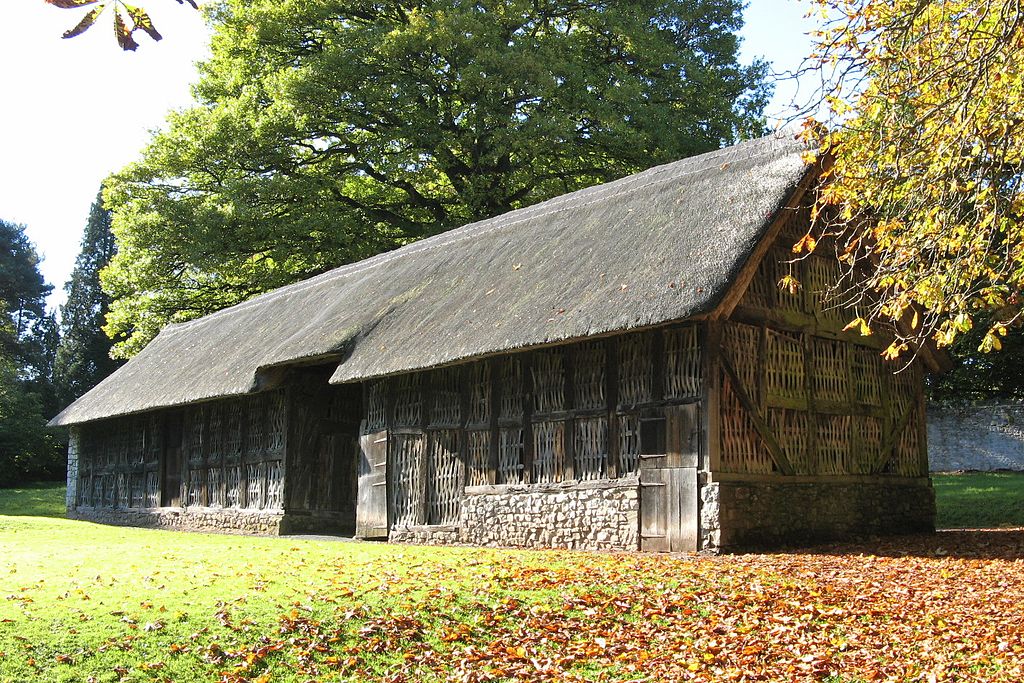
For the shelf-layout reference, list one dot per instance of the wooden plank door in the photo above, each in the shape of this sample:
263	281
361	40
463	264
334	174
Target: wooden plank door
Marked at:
668	485
372	488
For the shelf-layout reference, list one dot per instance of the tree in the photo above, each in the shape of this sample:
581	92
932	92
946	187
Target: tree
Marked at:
28	450
83	356
23	290
926	106
329	131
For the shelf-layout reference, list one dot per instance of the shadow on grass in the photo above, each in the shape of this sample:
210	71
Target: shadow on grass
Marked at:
980	544
979	500
43	499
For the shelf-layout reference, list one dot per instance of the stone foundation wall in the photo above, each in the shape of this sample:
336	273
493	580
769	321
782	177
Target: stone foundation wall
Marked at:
216	520
599	515
984	437
74	442
745	515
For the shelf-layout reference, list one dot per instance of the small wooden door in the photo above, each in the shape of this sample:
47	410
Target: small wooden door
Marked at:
372	493
170	484
668	485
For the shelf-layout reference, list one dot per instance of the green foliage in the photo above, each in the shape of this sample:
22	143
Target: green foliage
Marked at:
83	356
926	102
28	338
979	376
329	131
979	500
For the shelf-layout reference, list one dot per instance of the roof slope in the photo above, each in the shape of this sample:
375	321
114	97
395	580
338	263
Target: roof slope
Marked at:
661	245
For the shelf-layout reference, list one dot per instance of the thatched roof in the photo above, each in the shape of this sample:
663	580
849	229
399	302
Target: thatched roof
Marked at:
657	246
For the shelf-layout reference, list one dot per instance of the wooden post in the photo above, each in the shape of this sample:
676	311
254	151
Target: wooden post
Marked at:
528	450
495	398
569	383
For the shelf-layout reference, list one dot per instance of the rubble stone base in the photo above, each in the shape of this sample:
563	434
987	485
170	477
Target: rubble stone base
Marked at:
746	515
217	520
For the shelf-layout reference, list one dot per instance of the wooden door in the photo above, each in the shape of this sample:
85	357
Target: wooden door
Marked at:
170	484
668	485
372	491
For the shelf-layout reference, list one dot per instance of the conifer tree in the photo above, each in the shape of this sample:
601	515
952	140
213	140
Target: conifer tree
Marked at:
83	356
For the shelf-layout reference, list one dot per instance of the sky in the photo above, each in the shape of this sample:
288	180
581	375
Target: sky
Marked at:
73	111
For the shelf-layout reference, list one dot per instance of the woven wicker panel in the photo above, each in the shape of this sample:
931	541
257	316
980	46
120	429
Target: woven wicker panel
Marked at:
636	370
792	429
867	376
869	431
512	389
194	433
784	366
445	478
137	486
408	458
137	450
629	444
214	488
781	259
274	499
548	451
154	438
255	445
152	489
589	376
510	456
196	487
591	448
761	292
478	449
741	343
446	399
907	460
479	394
121	485
904	390
216	433
830	361
682	363
833	440
548	382
276	421
234	419
741	448
376	406
824	278
233	486
256	490
408	401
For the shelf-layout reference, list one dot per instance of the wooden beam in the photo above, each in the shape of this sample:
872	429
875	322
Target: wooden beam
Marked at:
774	450
889	443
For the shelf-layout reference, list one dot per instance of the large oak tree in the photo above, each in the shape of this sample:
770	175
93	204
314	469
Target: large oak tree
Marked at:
328	131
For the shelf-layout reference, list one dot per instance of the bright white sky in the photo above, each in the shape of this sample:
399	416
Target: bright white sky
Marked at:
75	110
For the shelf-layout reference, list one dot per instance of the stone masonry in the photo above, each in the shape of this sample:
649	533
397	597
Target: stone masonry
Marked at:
983	437
74	443
742	515
216	520
598	515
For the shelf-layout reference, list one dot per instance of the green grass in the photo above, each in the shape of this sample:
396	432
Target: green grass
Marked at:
979	500
44	499
86	602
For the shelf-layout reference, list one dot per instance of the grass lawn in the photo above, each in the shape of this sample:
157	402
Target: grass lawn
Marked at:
82	602
979	500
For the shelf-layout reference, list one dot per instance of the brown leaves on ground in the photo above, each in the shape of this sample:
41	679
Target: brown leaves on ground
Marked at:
948	607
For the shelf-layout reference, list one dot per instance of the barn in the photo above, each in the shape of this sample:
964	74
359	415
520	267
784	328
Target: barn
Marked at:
615	368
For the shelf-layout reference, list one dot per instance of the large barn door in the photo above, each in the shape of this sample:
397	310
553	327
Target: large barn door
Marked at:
668	485
372	494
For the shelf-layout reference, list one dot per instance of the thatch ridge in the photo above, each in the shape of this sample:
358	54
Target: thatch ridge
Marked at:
657	246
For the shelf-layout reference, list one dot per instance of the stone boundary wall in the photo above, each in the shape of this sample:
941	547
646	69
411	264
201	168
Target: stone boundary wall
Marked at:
216	520
748	515
597	515
981	437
